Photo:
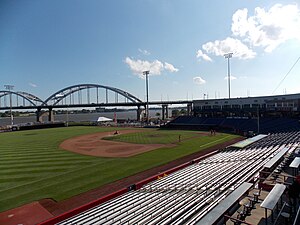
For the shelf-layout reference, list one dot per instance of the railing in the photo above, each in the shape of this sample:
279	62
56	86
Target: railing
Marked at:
297	217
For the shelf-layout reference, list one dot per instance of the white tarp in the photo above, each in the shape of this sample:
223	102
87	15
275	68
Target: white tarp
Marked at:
104	119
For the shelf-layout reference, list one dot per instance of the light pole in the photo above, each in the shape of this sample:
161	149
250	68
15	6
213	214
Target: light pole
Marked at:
146	73
9	88
258	119
228	56
67	124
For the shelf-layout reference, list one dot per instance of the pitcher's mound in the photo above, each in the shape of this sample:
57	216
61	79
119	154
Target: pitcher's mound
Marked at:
94	145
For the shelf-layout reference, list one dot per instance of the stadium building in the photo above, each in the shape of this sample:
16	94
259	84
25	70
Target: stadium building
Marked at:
245	116
267	106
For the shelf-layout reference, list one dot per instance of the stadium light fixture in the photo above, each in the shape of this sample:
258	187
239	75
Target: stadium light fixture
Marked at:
9	88
228	56
146	73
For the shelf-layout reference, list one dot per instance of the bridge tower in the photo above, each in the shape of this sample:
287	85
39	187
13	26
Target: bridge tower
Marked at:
165	112
50	115
139	112
38	114
189	109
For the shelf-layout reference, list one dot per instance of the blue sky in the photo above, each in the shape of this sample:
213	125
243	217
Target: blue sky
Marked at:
48	45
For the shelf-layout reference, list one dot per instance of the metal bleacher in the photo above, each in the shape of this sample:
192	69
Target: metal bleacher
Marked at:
215	214
188	195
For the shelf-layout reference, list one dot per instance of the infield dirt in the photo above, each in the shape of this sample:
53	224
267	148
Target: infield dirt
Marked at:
94	145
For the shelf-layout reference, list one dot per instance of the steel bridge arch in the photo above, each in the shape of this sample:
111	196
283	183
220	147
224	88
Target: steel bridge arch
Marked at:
27	96
63	93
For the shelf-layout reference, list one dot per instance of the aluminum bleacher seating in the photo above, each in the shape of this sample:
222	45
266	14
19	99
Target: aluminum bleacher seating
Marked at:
187	195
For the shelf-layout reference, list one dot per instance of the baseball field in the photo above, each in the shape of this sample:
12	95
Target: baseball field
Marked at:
59	163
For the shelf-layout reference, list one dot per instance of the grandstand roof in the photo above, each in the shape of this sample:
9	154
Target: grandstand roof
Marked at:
249	99
248	141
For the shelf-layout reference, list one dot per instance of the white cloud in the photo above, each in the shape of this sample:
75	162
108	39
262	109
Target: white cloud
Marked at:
202	55
219	48
155	67
231	77
170	67
240	25
144	51
33	85
267	29
199	80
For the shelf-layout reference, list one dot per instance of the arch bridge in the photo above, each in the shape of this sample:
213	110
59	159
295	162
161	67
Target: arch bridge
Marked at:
76	96
71	94
18	99
91	95
79	96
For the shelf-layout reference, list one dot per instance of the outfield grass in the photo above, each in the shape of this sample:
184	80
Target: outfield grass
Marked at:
33	167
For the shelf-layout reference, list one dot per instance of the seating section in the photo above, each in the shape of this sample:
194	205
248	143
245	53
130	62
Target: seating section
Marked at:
187	195
266	125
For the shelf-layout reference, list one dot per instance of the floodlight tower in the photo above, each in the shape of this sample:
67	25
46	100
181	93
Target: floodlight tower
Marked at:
146	73
228	56
9	88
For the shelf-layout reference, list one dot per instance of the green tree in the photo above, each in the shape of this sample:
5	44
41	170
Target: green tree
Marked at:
175	112
183	112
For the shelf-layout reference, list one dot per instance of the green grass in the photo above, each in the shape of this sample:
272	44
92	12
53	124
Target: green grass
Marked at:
33	167
155	137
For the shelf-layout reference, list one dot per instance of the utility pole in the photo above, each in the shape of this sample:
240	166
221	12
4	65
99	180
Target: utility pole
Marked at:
9	88
146	73
228	56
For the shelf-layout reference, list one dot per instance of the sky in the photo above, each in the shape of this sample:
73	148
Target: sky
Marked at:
48	45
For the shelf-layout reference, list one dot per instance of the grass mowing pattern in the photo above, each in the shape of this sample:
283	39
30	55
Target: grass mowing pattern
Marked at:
154	137
33	167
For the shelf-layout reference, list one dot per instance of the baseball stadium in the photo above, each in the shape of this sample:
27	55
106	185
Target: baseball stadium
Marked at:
149	112
233	165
